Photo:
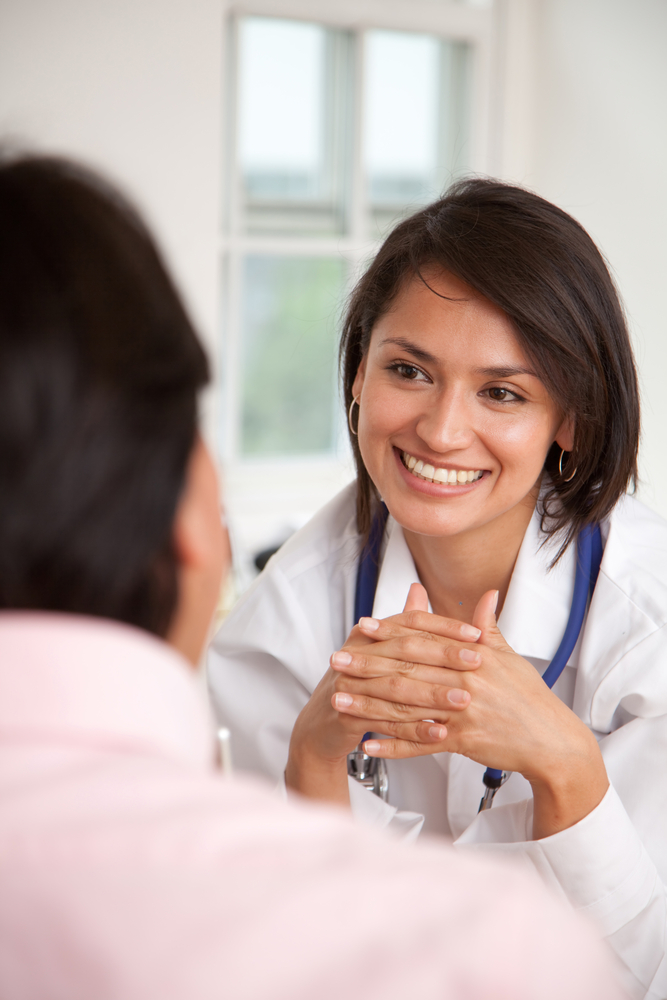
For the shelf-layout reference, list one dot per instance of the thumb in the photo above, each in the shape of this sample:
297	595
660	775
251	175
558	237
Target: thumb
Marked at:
484	618
417	598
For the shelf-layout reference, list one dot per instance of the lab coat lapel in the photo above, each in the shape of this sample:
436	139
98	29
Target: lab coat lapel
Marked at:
538	601
619	661
397	573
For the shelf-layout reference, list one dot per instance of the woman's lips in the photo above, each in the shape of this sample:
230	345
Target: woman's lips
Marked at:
437	487
438	473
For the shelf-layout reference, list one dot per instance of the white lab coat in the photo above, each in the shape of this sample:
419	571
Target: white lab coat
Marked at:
275	646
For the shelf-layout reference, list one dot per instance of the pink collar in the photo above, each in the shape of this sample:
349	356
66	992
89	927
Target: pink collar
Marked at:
72	679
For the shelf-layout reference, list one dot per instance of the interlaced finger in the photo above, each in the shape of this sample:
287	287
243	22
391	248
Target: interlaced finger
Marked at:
446	695
409	746
419	621
367	707
410	648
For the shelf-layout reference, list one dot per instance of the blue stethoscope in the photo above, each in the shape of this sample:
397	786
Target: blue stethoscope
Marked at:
589	557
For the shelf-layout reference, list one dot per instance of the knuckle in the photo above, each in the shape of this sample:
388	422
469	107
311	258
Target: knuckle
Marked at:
392	728
360	663
438	696
451	656
421	735
396	685
413	619
404	644
410	648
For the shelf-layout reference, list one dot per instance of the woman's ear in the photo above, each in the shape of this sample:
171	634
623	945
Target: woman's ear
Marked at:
358	383
565	435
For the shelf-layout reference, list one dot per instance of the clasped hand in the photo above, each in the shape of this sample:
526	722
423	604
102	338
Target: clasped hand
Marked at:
430	684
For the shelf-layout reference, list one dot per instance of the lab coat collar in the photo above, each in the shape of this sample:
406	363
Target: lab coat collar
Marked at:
538	601
68	679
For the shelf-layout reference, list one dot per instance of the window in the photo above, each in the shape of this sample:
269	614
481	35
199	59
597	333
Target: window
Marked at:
416	113
335	133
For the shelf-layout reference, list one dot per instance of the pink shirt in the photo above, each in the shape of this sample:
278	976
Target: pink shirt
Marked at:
130	869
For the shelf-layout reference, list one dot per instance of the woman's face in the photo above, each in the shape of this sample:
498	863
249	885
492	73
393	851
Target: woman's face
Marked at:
454	426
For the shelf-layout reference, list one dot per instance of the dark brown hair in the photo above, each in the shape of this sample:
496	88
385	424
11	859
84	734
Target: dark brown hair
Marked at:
543	270
99	372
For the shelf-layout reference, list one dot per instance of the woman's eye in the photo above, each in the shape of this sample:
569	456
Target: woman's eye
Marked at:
500	395
410	372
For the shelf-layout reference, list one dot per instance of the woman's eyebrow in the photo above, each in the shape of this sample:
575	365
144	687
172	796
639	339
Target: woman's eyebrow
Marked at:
505	372
411	348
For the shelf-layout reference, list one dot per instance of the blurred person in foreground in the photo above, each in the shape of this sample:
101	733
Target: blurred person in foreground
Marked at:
128	866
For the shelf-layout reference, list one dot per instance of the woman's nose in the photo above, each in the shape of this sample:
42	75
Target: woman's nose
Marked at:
447	426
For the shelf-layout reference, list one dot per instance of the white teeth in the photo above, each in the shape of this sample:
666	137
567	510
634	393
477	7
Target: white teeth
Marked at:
438	475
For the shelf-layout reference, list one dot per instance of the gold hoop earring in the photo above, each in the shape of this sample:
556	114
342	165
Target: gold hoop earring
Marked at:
349	417
560	468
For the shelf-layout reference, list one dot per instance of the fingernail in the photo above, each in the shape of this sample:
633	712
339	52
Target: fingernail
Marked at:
371	746
341	659
437	732
369	624
458	697
469	656
470	632
343	700
495	602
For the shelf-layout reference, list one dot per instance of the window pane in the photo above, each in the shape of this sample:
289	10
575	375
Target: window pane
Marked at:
292	96
291	310
414	134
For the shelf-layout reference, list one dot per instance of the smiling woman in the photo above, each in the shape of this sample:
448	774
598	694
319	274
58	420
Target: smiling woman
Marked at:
465	406
494	420
507	249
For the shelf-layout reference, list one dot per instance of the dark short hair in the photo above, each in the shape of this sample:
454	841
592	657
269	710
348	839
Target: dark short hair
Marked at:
543	270
99	374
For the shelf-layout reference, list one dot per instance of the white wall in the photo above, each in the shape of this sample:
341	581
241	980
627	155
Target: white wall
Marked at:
600	151
134	88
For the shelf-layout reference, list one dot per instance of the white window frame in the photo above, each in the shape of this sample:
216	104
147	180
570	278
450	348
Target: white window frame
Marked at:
482	28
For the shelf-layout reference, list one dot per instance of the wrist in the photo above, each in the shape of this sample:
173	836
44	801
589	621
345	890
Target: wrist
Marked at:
569	789
317	777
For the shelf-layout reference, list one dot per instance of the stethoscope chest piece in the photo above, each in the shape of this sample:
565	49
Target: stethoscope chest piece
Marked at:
491	785
371	772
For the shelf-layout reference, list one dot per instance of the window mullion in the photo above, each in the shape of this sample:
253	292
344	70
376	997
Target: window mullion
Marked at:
358	208
233	354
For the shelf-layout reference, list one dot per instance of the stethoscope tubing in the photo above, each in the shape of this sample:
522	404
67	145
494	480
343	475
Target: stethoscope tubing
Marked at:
589	557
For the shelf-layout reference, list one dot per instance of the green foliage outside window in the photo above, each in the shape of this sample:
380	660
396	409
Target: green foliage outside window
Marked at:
292	307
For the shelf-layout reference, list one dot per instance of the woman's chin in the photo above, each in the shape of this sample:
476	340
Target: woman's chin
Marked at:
423	514
427	507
